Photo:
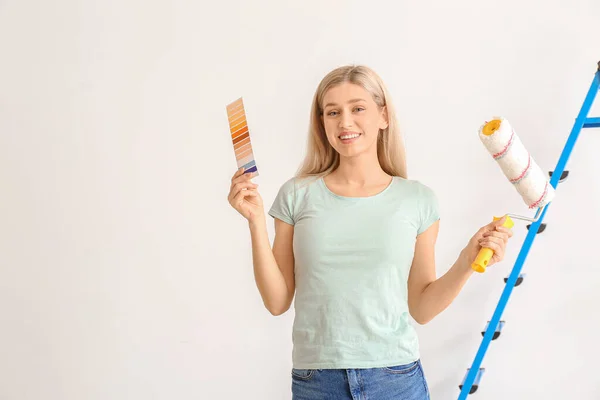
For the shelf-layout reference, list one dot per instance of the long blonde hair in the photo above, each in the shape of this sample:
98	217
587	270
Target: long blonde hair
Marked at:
321	158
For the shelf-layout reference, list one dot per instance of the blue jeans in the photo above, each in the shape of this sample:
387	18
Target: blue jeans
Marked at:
400	382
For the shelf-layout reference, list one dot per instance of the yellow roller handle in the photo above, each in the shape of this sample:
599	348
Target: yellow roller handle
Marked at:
485	254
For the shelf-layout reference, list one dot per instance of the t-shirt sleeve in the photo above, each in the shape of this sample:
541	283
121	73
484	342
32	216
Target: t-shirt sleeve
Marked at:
283	205
428	209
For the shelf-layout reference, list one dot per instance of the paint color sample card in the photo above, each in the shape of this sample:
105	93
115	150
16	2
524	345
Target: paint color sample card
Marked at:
238	126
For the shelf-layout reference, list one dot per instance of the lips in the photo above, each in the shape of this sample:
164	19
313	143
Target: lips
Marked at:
349	135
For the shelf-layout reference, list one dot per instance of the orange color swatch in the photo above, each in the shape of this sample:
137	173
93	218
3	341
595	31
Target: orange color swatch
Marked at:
240	136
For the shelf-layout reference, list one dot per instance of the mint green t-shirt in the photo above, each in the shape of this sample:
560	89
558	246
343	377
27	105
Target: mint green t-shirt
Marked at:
352	260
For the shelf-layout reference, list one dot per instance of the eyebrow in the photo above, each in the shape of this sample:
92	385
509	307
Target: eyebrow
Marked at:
349	101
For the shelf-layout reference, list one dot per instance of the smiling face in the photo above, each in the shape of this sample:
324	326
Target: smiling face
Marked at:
352	120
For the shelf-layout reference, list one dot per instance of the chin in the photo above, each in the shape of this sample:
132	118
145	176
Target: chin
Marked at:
351	152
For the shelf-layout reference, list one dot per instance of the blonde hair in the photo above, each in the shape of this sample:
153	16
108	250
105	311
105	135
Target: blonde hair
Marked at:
321	158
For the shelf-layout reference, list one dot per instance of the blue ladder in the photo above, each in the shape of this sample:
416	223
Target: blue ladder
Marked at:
471	381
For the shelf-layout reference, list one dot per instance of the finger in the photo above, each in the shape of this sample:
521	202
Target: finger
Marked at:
243	178
497	249
493	224
500	235
497	258
246	193
240	186
500	221
494	239
496	224
508	231
239	172
239	198
488	244
482	230
504	229
236	177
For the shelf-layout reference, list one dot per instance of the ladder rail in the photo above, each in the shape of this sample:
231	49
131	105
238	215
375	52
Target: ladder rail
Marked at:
580	122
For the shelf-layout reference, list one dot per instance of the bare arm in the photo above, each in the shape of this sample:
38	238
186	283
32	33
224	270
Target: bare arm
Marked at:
428	296
273	268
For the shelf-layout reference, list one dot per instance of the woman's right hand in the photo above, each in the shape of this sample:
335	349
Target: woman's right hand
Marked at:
244	197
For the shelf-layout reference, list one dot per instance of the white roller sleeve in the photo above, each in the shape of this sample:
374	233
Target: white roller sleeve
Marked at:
518	165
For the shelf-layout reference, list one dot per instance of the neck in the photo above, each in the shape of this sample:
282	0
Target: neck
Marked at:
362	171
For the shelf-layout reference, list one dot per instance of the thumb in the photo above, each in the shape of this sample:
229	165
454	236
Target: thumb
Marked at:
500	222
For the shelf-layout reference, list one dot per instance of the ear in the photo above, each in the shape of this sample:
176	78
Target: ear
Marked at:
384	121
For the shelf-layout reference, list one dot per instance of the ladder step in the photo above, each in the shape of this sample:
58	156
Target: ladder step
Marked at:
563	176
497	332
519	279
592	123
541	228
475	385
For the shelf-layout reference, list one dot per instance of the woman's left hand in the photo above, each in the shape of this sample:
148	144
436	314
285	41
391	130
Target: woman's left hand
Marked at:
492	236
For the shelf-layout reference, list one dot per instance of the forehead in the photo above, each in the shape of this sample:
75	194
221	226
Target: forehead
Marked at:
344	93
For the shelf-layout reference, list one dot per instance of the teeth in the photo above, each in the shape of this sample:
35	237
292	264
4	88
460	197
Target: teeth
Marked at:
350	136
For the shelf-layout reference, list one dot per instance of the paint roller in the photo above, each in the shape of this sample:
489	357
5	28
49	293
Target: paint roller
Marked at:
501	141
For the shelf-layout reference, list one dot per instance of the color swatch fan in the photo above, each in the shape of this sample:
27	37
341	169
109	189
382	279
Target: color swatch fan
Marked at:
240	135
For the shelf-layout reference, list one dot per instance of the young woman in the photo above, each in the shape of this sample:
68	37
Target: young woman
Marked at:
355	244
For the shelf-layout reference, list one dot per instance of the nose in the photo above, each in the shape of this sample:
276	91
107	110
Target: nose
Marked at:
346	120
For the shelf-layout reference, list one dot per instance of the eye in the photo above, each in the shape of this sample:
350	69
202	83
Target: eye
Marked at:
359	109
332	113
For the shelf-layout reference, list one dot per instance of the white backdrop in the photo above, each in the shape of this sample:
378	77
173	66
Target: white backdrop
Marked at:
125	274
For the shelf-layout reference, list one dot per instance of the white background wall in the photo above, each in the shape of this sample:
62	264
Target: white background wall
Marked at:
125	274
